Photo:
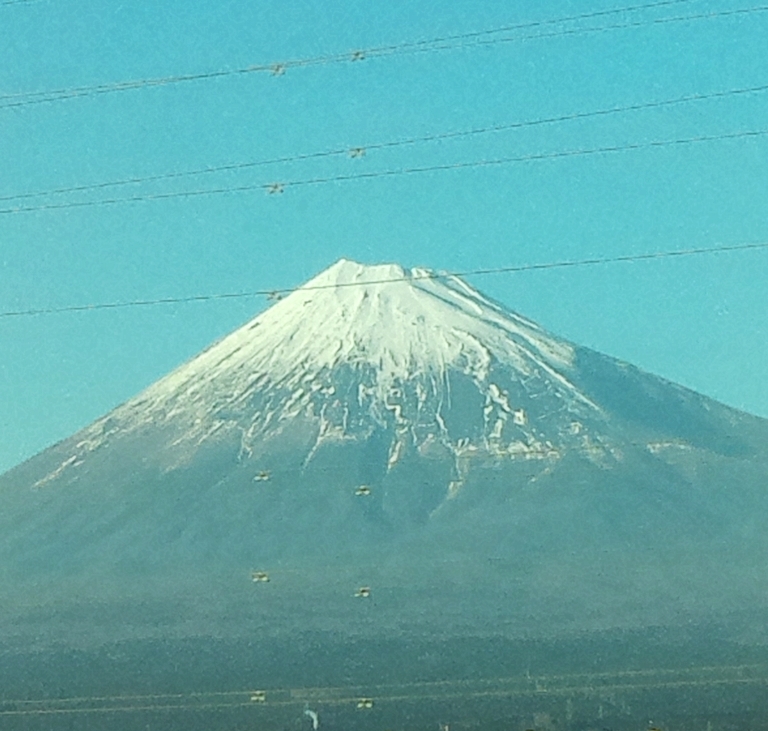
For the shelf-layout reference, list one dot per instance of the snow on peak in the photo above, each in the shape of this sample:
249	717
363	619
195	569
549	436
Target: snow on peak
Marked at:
370	341
346	272
401	322
398	323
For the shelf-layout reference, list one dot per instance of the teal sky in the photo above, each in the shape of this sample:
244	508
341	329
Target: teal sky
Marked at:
700	321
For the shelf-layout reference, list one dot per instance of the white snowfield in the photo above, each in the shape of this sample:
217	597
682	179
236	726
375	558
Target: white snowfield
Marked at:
401	333
404	323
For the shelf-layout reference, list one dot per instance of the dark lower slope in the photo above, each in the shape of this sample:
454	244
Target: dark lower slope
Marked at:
690	678
652	408
528	548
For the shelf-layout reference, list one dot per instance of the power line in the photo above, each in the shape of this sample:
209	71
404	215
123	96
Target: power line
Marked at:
605	28
459	691
276	187
466	40
539	23
276	293
360	150
413	691
376	50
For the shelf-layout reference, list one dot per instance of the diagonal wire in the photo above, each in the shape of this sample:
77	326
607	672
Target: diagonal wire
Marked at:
23	99
390	144
599	29
280	186
368	51
414	691
429	275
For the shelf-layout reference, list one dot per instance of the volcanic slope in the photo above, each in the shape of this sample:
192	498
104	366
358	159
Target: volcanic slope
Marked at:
394	429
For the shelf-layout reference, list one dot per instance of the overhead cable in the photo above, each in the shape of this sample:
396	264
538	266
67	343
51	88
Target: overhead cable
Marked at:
508	686
467	40
604	28
276	187
360	150
425	275
365	52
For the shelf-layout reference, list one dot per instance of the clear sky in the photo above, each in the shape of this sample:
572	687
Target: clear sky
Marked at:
699	321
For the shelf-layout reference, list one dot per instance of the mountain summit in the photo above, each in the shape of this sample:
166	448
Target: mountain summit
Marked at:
395	430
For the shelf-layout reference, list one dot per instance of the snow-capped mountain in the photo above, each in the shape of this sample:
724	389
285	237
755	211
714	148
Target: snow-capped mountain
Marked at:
395	428
360	349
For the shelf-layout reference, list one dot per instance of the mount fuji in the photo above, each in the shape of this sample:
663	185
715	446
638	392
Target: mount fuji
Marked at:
388	452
